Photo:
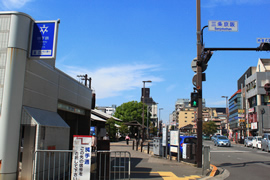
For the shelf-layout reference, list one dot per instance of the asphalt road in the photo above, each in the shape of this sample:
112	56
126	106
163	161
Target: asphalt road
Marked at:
242	162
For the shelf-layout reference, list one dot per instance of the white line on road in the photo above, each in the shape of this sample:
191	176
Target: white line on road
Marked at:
230	151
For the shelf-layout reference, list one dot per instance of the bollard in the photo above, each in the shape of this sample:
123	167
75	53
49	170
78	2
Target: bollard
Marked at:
133	145
137	144
148	148
141	146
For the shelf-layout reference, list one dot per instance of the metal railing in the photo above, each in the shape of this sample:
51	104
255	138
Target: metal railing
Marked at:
113	165
52	164
57	164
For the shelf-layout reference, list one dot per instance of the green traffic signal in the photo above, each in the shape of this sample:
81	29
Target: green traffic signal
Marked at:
194	99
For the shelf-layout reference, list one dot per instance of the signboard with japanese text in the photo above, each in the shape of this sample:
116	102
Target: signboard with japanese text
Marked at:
81	157
164	136
174	141
230	26
43	40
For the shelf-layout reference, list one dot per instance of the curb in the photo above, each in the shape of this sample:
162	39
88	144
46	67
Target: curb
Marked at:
214	172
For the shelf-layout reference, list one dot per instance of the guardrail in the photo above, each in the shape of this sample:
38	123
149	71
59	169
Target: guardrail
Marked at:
57	164
113	165
52	164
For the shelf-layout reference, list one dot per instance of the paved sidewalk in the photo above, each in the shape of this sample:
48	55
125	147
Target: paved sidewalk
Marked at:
146	166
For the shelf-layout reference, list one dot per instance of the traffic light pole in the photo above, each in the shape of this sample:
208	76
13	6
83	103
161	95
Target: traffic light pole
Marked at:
199	87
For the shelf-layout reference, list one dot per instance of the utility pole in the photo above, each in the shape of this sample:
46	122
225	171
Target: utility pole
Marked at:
199	87
85	78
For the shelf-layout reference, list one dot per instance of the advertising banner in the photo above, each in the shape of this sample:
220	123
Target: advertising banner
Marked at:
81	157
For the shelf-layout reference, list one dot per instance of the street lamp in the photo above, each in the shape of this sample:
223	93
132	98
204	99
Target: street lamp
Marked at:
158	121
143	108
227	118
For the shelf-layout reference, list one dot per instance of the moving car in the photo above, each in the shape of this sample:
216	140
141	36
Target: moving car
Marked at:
222	141
213	138
248	141
266	142
206	137
256	142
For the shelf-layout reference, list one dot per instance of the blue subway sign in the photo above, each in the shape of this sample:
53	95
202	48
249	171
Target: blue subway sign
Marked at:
44	38
230	26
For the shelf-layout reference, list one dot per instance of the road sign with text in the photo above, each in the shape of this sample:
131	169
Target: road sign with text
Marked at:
229	26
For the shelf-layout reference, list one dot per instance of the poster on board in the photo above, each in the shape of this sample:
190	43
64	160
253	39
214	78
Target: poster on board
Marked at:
81	157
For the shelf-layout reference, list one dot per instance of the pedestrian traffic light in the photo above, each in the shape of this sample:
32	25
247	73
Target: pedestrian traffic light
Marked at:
194	99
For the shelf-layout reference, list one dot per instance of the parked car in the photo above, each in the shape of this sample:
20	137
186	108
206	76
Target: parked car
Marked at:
222	141
266	142
213	138
248	141
256	142
184	140
206	137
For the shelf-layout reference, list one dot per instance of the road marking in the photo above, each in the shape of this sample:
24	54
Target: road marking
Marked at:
230	151
171	176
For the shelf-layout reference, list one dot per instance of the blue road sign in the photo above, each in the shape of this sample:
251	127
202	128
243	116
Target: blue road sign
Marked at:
43	44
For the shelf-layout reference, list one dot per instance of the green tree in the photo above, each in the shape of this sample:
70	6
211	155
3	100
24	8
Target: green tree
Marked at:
209	127
132	111
123	129
111	129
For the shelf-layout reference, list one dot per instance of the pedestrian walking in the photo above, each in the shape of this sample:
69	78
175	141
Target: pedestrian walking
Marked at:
127	139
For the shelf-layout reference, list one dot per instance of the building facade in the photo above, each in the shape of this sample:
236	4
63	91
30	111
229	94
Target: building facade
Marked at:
257	102
39	103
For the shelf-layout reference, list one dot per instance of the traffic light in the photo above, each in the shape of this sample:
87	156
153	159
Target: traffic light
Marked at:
194	99
264	47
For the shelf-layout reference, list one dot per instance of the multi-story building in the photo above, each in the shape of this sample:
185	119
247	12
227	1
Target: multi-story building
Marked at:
107	109
257	102
151	105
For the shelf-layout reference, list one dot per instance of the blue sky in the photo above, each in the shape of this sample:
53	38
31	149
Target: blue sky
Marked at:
120	43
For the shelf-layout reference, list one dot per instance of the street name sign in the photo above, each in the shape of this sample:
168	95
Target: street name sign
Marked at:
229	26
263	40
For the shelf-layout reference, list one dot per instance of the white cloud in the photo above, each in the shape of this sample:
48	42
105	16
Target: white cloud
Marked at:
171	88
113	81
14	4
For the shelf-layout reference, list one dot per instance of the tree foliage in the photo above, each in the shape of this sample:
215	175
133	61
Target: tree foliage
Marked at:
209	127
110	128
132	111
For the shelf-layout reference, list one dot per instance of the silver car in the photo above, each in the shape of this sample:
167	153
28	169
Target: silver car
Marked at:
266	142
248	141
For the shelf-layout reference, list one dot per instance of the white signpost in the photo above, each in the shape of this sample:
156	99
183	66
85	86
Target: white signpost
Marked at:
229	26
81	157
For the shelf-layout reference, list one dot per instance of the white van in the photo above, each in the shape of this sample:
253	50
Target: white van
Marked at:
257	142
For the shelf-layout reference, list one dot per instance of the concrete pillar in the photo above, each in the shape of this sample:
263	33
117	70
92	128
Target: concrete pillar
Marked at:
10	118
259	100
